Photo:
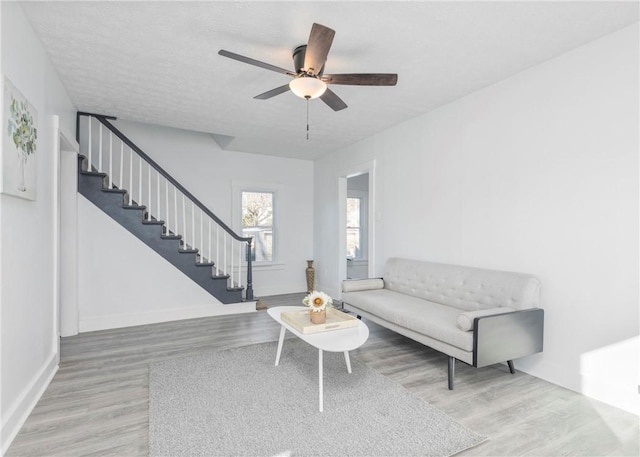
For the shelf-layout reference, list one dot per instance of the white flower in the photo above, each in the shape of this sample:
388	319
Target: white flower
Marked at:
317	301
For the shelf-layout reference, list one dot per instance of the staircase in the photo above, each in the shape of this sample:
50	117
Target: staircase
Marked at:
125	183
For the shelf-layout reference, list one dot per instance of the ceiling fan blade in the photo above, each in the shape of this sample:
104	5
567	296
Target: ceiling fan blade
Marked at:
273	92
318	46
362	79
257	63
331	99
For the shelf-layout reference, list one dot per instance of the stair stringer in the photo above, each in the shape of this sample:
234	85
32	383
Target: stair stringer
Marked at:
123	282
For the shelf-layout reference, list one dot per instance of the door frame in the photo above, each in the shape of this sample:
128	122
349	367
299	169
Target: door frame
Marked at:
65	230
365	167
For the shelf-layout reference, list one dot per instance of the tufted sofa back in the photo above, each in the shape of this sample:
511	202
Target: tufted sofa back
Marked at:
465	288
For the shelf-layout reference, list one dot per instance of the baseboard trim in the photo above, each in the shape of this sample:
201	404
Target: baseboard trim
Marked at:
20	410
93	324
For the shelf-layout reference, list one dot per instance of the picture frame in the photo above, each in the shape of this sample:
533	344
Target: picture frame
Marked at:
19	144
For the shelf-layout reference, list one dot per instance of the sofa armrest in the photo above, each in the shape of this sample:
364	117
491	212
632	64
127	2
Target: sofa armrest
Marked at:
355	285
466	320
503	337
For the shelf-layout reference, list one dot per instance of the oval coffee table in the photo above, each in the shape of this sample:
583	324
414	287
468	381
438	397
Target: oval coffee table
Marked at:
343	340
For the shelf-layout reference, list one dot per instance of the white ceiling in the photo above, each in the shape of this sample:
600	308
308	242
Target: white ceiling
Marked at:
157	62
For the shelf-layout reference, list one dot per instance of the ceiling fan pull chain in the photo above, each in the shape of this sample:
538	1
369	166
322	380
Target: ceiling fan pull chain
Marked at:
307	118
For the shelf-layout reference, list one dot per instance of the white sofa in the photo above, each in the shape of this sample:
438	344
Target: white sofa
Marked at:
478	316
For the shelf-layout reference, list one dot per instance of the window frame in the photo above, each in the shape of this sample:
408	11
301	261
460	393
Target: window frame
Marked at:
260	228
364	222
358	228
238	188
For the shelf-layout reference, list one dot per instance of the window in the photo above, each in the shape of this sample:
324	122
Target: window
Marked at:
354	232
257	222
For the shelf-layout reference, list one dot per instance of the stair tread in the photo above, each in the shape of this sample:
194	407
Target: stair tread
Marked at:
188	251
152	222
134	207
205	264
115	191
171	237
94	173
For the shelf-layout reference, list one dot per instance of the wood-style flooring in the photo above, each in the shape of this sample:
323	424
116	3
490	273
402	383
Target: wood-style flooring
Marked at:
97	403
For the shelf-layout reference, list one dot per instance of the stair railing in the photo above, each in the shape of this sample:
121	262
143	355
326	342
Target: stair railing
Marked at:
109	151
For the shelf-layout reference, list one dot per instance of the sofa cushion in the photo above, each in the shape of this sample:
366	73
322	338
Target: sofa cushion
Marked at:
353	285
464	321
422	316
466	288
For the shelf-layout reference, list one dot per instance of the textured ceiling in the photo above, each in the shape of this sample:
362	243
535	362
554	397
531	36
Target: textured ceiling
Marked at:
157	62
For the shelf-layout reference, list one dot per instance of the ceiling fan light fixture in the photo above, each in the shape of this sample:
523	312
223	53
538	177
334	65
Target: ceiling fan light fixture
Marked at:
307	87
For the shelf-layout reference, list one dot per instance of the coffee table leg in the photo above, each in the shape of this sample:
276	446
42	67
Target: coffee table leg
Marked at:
346	359
320	387
280	341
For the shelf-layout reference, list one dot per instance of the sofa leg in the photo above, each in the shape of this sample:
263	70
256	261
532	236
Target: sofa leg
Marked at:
452	369
511	367
359	316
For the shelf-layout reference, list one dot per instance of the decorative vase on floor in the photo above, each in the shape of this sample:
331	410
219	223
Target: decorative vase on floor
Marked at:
311	273
319	317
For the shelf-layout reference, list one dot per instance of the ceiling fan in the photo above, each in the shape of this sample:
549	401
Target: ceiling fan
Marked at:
309	80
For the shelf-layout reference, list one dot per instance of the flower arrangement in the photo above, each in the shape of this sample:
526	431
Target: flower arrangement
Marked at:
317	301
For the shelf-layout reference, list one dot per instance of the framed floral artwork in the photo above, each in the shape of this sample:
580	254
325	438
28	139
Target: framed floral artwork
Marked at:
19	144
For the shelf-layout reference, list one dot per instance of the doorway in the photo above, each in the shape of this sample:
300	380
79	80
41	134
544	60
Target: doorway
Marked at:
356	206
357	226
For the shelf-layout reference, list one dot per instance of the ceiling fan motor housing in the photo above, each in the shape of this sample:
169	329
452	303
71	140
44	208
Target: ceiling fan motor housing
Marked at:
299	53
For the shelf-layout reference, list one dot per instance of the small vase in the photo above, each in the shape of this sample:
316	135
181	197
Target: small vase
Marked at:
318	318
311	272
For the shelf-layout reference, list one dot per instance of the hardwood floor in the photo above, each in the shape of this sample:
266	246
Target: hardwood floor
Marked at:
97	404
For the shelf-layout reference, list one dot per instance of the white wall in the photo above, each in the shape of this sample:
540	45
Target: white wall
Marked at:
116	292
538	174
28	339
211	174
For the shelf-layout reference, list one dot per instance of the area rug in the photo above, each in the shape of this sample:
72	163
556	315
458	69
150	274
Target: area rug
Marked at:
236	402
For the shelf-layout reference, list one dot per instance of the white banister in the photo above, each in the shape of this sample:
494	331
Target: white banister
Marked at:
166	204
231	267
110	160
130	177
201	237
239	264
140	181
193	225
175	210
121	183
158	215
184	223
217	250
209	244
225	249
100	148
90	144
149	193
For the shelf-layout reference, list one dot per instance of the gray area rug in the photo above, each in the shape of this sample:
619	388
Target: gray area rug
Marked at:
236	402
